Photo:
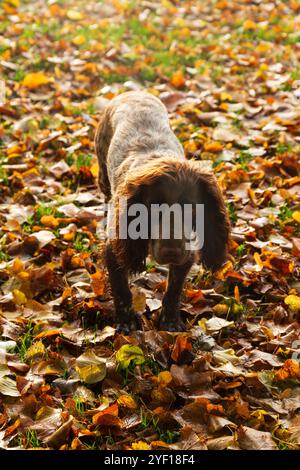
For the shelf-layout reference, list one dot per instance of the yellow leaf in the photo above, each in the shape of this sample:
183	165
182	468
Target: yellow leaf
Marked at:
293	301
258	260
37	349
221	273
17	267
128	353
165	377
140	445
19	297
249	24
95	170
225	96
15	3
190	146
34	80
202	323
23	276
296	216
221	309
74	15
79	40
90	368
126	401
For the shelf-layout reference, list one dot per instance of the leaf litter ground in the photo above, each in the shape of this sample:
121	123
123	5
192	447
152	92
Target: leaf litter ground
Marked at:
229	76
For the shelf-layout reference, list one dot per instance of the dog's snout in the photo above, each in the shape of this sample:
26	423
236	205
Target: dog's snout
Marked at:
171	253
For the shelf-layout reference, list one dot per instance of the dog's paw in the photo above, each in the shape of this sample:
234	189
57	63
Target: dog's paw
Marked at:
173	325
129	324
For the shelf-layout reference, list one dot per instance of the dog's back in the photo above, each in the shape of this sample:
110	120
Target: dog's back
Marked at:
134	129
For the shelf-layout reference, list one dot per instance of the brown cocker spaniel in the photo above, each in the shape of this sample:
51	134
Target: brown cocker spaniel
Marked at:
142	162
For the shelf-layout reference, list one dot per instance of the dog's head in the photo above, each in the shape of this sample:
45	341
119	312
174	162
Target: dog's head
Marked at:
171	209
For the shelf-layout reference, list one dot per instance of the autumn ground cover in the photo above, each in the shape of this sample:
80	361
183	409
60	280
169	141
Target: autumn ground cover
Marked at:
229	75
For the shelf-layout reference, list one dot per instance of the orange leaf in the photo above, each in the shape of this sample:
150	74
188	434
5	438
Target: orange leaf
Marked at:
211	408
213	147
290	369
178	80
194	295
47	334
112	410
49	221
98	282
182	344
11	429
249	24
237	293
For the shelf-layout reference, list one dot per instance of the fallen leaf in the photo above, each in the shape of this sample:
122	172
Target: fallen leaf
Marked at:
35	80
90	368
127	354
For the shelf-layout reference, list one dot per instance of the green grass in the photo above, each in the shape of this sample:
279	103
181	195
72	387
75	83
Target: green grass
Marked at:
30	440
3	175
84	160
241	249
283	148
27	226
152	365
82	243
169	436
148	420
232	213
243	159
4	256
285	213
25	341
42	210
19	75
79	405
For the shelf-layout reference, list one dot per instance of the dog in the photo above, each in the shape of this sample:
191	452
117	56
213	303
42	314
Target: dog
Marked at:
141	161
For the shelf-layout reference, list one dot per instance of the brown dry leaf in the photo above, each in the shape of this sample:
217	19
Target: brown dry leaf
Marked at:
188	440
251	439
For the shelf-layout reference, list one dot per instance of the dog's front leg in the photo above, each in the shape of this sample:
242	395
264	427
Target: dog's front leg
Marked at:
126	319
170	316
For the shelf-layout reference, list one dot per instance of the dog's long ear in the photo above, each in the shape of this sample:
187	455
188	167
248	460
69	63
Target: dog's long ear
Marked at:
216	222
131	252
